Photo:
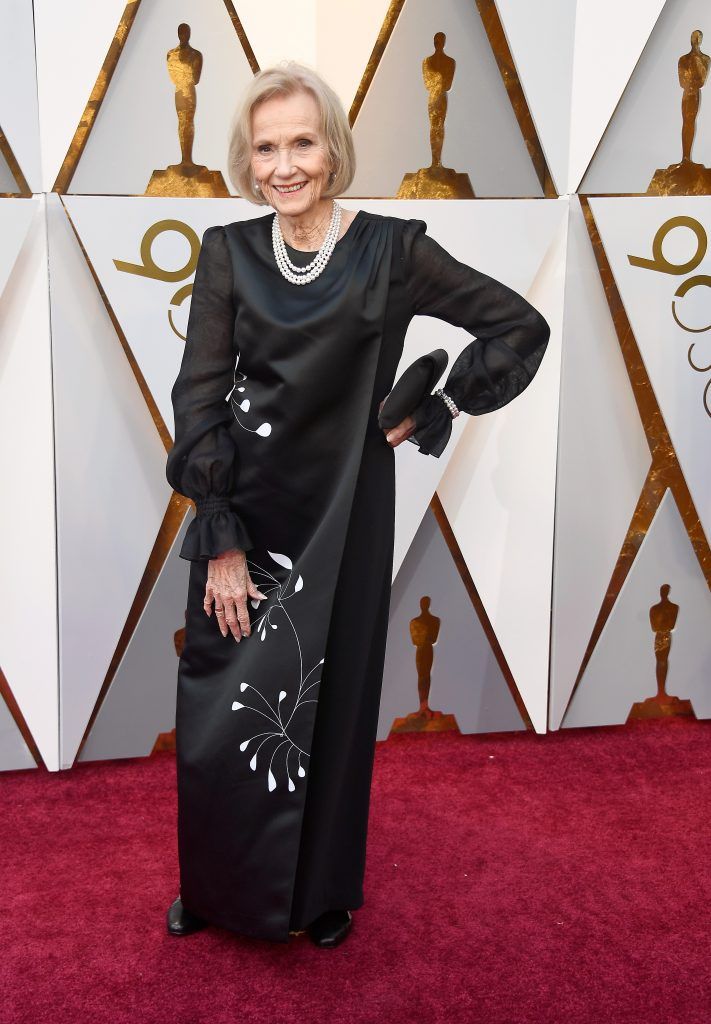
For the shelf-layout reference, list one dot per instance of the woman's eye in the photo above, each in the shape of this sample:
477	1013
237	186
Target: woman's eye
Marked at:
305	142
263	148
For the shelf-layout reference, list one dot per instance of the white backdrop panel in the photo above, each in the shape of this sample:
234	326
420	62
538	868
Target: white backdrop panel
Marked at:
28	593
112	492
541	37
499	495
343	66
603	458
282	32
140	702
14	752
19	118
620	32
66	72
16	215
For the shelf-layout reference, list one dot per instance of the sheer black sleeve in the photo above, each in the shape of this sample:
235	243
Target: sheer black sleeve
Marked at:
510	335
203	462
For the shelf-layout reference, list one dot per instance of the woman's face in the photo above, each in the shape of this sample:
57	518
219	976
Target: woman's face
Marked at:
289	149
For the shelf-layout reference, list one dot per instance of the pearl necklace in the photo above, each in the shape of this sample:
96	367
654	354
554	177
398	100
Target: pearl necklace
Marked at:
302	275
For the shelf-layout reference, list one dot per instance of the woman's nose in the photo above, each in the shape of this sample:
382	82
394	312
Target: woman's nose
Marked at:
284	164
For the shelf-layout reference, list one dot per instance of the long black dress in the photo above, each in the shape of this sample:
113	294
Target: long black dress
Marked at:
277	442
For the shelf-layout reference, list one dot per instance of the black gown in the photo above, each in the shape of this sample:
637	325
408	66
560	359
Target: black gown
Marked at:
277	442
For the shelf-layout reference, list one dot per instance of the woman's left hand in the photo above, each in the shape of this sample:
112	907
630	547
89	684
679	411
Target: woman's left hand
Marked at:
395	435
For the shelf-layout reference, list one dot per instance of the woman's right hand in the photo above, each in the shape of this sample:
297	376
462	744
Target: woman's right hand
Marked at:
399	433
229	585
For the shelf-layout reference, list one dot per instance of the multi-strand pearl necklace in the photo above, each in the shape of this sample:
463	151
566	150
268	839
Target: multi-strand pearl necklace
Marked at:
302	275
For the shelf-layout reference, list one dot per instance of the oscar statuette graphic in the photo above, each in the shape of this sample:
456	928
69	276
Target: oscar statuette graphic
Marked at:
662	619
424	630
186	178
687	178
437	181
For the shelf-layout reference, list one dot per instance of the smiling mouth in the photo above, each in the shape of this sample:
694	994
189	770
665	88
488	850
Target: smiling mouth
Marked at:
285	190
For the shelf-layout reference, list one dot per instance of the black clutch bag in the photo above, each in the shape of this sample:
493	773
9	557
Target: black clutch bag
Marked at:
412	386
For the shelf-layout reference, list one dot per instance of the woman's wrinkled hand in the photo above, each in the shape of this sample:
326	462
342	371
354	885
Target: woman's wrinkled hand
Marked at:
229	585
395	435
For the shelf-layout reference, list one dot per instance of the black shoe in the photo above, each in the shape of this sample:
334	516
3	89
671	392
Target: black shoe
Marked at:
330	928
181	921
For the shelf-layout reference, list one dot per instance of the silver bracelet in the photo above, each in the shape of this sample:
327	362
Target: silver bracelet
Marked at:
447	401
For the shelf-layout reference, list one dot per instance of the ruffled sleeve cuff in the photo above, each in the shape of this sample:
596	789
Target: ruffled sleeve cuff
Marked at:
433	426
216	528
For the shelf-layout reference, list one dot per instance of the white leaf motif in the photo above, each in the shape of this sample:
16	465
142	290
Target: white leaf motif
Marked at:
281	559
278	741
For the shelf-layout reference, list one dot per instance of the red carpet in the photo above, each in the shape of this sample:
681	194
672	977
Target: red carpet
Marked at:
511	879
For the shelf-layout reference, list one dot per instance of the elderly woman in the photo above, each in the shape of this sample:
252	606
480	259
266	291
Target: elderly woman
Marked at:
296	329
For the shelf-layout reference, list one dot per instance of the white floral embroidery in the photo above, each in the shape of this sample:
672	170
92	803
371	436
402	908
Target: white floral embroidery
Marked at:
269	584
264	429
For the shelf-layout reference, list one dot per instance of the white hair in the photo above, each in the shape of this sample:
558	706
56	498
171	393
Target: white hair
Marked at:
285	79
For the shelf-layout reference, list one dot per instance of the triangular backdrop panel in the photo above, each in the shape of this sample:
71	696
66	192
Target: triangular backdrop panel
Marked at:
112	492
343	66
620	32
14	752
478	234
481	136
16	215
603	458
540	37
466	680
644	133
66	72
18	91
8	181
499	492
628	228
131	139
140	702
284	33
622	669
28	591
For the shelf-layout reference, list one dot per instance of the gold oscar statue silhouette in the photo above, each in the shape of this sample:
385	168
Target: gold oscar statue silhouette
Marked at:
186	178
687	178
424	630
436	181
662	618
